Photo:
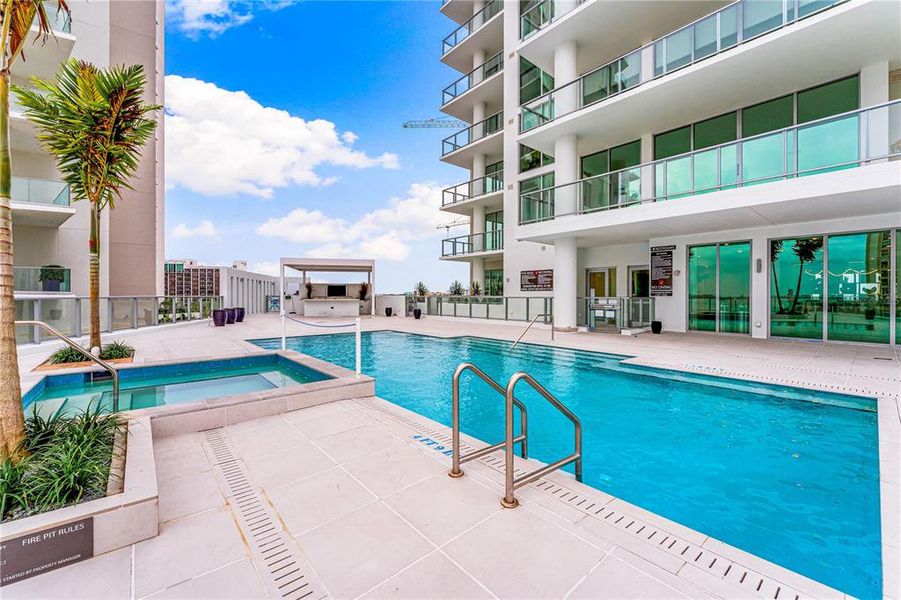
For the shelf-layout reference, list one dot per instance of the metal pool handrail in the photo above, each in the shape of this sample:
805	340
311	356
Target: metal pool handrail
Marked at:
511	484
71	343
455	408
529	326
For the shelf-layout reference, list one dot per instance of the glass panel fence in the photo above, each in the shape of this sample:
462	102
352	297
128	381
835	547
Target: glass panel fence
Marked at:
473	133
50	278
834	143
40	191
488	184
466	29
490	67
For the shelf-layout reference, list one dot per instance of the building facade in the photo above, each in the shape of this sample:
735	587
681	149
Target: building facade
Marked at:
50	229
718	167
236	285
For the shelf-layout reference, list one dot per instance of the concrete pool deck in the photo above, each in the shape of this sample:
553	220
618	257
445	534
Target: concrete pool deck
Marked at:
358	498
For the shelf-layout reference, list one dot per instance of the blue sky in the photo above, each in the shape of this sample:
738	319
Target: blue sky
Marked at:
284	137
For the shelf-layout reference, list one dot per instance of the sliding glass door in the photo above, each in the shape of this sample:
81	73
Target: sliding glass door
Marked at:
719	287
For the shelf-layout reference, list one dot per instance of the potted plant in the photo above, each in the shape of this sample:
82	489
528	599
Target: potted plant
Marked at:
219	317
419	290
51	277
388	311
230	316
239	314
656	326
309	286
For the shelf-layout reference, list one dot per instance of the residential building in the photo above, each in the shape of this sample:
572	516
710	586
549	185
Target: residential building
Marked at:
50	230
236	286
718	167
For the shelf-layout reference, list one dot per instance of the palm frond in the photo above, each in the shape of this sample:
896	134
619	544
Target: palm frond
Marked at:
18	17
95	122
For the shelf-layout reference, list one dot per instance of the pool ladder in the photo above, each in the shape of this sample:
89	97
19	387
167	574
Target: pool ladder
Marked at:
114	374
512	483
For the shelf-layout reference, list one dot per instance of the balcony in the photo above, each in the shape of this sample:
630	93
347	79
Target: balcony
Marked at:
723	30
47	279
717	187
482	30
40	202
43	59
485	191
474	244
483	137
543	14
482	84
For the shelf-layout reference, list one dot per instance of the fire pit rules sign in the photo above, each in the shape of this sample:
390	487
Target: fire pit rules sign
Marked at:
43	551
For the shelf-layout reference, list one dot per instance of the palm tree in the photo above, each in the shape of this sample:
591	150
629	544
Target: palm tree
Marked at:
456	288
806	250
95	122
775	250
475	289
420	289
16	20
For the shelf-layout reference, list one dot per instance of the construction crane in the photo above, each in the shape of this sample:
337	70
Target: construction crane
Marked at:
439	123
455	223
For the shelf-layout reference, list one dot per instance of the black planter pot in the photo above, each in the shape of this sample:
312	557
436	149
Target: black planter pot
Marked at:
869	314
50	285
388	311
219	317
656	326
239	315
417	313
229	316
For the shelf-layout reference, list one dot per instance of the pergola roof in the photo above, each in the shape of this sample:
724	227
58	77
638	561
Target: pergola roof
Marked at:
330	265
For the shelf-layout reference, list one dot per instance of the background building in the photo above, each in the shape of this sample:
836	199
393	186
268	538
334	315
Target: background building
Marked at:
237	286
49	230
717	165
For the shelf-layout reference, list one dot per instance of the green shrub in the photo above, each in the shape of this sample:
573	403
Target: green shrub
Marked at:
69	463
66	354
116	350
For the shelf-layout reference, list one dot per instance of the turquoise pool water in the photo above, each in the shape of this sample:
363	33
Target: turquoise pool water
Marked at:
785	474
145	387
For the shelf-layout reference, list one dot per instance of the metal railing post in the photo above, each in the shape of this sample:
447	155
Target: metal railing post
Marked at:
358	340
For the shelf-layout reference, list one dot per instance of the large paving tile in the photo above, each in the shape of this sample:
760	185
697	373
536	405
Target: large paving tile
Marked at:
441	507
186	548
238	581
348	445
614	578
104	576
549	561
276	436
435	577
358	551
184	495
391	469
308	502
330	424
300	460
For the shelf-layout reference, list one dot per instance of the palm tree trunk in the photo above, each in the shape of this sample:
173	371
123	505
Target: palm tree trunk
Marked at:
776	286
12	420
798	288
94	291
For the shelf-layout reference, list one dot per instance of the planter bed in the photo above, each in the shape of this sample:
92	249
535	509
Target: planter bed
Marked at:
48	366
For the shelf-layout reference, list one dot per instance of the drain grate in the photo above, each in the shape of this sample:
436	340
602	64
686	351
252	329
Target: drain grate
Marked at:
736	574
278	559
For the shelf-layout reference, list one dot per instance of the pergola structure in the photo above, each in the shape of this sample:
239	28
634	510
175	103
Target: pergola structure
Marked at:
326	265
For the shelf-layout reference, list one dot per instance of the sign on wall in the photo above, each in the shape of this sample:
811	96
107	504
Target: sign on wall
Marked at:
46	550
538	280
662	270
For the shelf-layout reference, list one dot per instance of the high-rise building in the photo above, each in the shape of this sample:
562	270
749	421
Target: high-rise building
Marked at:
718	167
50	229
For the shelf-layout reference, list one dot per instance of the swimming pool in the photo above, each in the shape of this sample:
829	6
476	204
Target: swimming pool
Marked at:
162	385
786	474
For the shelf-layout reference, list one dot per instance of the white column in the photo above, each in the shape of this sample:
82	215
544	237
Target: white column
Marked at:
478	57
477	272
565	284
281	301
477	172
478	115
566	69
647	172
566	170
874	125
477	226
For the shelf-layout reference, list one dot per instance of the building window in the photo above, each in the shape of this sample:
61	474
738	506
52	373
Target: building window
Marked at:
494	230
533	82
530	158
536	198
796	287
859	282
719	287
494	282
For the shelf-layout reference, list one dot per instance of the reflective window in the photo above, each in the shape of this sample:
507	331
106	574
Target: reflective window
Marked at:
671	143
702	288
767	116
719	287
715	131
533	82
859	287
536	201
796	287
830	99
529	159
494	230
494	282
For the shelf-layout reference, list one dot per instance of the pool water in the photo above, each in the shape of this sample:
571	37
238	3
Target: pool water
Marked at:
787	474
145	387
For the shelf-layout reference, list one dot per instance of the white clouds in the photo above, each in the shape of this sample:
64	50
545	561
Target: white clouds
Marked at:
204	229
223	143
265	267
384	233
212	17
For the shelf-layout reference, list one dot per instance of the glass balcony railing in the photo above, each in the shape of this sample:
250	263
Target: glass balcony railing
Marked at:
542	14
40	191
50	278
490	67
834	143
499	308
492	8
472	243
722	30
467	190
473	133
